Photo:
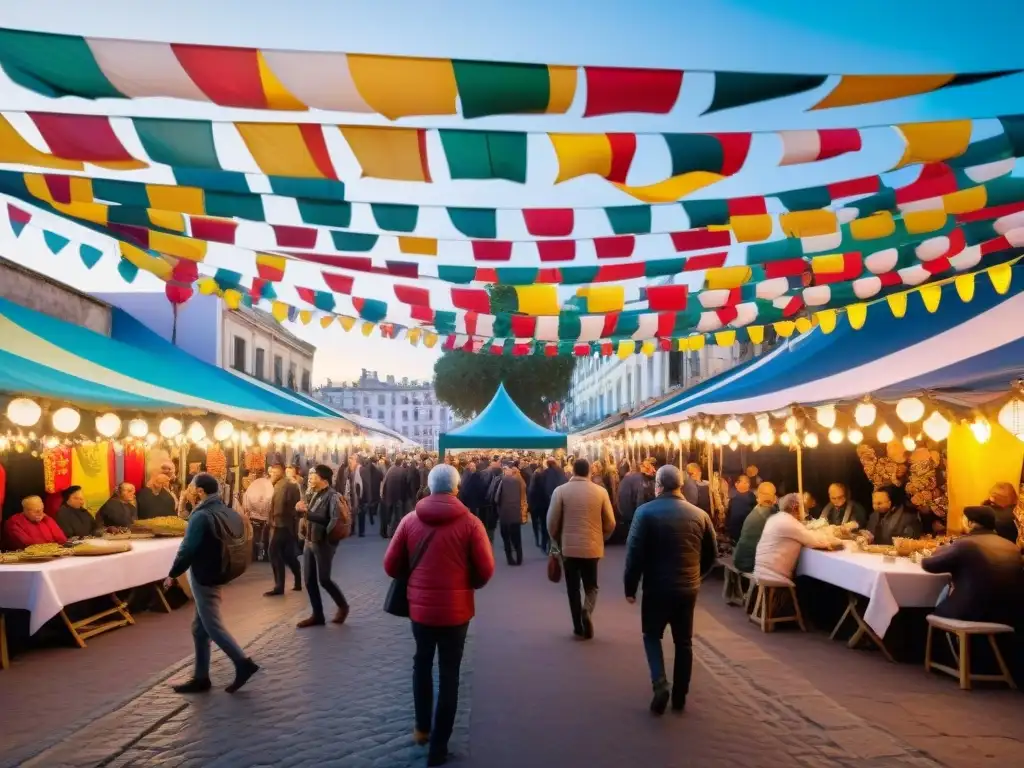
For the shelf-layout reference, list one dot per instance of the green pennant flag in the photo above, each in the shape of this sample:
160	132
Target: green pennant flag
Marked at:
89	255
54	242
127	270
481	223
501	88
736	89
485	154
395	217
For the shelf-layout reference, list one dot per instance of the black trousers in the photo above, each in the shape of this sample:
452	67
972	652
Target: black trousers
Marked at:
675	611
284	553
540	528
580	570
490	519
390	514
512	538
448	642
319	557
364	508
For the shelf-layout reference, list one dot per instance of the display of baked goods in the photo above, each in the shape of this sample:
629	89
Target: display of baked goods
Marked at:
114	533
877	549
34	551
9	558
93	547
161	526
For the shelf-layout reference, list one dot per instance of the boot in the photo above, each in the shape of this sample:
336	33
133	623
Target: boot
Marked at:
193	685
341	615
243	672
312	621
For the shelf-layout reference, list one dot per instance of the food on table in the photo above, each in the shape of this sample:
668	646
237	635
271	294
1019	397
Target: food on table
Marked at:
162	526
100	547
216	462
46	550
878	549
7	558
907	547
113	533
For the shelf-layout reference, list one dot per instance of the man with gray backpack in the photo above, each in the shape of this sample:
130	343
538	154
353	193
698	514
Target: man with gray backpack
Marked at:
214	551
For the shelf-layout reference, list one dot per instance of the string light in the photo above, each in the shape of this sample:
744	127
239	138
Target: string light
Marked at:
785	438
937	427
811	440
826	416
24	412
701	434
909	410
835	436
885	435
864	414
855	436
766	436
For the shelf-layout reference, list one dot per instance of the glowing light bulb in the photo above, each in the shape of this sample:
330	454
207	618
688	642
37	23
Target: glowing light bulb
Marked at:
885	435
685	432
223	430
23	412
909	443
66	419
909	410
196	432
864	414
826	416
785	438
170	427
766	437
835	436
981	430
937	427
732	426
811	440
855	436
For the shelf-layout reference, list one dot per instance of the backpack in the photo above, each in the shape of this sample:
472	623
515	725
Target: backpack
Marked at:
234	550
343	528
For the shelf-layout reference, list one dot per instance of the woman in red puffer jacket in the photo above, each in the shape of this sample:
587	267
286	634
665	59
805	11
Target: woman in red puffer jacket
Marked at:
456	559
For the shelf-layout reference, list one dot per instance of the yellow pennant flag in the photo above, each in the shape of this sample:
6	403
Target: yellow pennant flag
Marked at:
647	348
755	333
429	340
305	316
965	286
279	310
207	286
326	320
725	338
1001	275
785	328
232	298
348	323
626	348
826	320
414	335
672	189
367	328
696	342
857	314
931	295
897	304
803	324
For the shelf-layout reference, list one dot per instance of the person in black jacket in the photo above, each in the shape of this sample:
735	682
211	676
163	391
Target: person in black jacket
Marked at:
538	503
201	554
986	572
474	493
631	491
371	477
671	547
393	497
119	510
740	506
73	518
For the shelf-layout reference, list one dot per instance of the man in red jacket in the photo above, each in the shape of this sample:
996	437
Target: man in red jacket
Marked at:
452	556
32	526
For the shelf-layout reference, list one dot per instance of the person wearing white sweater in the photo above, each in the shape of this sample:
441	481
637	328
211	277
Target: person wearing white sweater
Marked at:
784	536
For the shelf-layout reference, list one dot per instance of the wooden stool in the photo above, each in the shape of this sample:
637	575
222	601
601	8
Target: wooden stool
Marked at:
963	631
768	592
735	591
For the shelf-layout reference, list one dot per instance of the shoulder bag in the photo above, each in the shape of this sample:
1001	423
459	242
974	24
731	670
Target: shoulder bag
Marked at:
397	601
554	564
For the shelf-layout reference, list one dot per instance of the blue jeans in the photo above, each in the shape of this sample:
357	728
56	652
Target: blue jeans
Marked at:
675	611
208	625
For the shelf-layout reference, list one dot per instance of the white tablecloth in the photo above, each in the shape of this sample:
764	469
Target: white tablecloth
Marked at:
44	589
888	586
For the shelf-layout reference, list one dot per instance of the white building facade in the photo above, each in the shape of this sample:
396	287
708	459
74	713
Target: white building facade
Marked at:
408	407
603	386
255	344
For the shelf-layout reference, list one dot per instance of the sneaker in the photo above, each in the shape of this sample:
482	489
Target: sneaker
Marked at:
420	738
678	703
340	616
243	672
312	621
274	593
588	626
192	685
660	701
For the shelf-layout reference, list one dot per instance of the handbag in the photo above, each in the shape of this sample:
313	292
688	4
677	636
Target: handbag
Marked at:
397	601
554	565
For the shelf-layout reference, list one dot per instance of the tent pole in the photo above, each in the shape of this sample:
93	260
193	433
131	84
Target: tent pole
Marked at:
800	477
711	460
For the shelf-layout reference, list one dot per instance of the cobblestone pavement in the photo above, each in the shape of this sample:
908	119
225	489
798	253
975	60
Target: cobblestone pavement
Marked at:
533	696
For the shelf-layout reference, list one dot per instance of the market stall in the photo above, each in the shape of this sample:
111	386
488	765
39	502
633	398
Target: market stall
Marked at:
501	425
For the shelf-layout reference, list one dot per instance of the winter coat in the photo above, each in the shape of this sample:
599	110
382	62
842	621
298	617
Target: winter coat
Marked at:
580	518
740	505
201	549
457	561
395	482
631	492
371	477
671	546
512	508
474	492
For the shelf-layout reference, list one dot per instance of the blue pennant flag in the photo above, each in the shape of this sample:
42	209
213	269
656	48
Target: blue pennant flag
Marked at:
127	270
90	255
54	241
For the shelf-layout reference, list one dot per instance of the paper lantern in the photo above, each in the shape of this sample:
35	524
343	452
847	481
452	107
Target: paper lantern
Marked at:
811	440
909	443
138	428
732	426
865	414
766	437
763	422
885	435
937	427
673	437
1011	418
24	412
981	430
685	432
826	416
909	410
223	430
170	428
855	436
108	425
196	432
835	436
791	424
66	420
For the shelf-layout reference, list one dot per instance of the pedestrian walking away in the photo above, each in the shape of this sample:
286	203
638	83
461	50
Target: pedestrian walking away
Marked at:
211	560
512	513
580	520
671	547
284	546
327	522
452	557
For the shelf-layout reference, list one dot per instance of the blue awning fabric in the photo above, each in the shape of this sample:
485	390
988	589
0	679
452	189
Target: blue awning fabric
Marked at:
971	346
501	425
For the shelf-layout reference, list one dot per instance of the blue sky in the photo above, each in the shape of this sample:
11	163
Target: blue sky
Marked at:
784	35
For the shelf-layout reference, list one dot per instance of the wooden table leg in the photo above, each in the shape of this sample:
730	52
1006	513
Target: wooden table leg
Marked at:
5	661
851	604
863	630
93	625
159	589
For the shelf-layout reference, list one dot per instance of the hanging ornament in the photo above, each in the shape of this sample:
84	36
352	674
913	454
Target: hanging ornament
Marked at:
909	410
936	427
865	414
24	412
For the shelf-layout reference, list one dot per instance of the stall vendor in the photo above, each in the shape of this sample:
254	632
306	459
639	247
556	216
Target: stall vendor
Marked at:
890	518
1002	500
695	489
743	554
32	526
119	510
73	518
841	509
155	500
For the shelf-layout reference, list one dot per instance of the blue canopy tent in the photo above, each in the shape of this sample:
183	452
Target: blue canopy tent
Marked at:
972	345
501	425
